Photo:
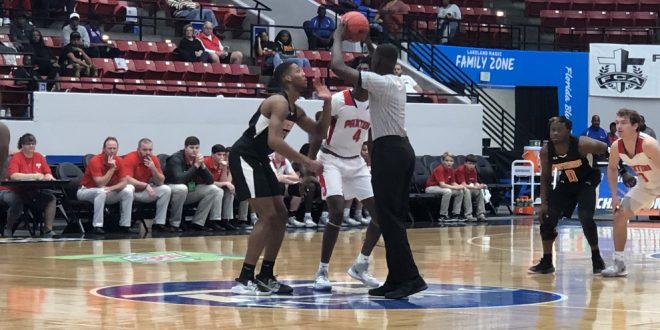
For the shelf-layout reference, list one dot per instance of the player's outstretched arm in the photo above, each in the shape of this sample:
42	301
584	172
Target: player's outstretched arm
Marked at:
279	109
338	66
317	129
587	145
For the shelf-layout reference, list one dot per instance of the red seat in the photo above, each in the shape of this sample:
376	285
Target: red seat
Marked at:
593	36
582	4
130	49
184	70
167	70
326	57
176	87
312	74
69	83
147	48
649	5
233	18
598	18
627	5
575	18
164	51
486	16
645	18
243	72
559	4
621	18
534	7
552	18
606	5
107	68
641	37
469	15
223	71
619	37
566	38
131	86
314	57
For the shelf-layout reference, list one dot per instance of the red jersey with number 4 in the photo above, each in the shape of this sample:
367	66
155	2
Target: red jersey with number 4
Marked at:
647	174
349	125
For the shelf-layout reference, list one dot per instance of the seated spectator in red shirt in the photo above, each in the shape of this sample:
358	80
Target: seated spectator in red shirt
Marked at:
443	181
192	182
215	49
466	175
104	183
143	171
219	167
29	165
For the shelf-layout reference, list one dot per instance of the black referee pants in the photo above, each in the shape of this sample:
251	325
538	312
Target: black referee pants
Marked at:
393	162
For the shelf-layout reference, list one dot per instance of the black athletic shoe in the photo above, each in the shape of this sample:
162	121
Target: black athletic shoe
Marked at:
274	285
226	225
127	230
196	227
156	228
382	290
214	225
175	229
407	288
598	265
543	267
99	231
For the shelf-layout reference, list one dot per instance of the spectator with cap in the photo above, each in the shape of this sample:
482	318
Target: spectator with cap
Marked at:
319	30
74	26
191	10
74	62
213	46
20	30
219	168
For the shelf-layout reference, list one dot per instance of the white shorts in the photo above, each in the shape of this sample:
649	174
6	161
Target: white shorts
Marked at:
350	178
641	197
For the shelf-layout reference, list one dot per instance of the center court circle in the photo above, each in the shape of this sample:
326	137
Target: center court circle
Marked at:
343	296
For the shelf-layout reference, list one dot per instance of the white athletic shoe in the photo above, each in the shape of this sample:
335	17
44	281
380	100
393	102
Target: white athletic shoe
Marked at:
253	218
322	283
618	269
348	221
364	220
309	222
325	217
250	289
293	222
360	272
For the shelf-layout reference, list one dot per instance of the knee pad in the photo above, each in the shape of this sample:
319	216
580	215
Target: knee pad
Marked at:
549	228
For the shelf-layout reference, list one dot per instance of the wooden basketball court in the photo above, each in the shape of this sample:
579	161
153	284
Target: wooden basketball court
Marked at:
477	276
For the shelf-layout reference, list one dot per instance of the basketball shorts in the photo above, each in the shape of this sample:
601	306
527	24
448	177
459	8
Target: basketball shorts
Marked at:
252	175
642	196
350	178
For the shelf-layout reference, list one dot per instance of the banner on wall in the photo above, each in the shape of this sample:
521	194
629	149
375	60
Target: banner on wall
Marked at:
568	71
624	70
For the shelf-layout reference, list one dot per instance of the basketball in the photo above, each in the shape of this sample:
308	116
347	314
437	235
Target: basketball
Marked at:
357	26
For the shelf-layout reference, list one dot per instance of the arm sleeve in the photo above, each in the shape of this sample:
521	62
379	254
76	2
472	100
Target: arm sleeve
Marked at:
95	167
457	12
205	175
12	167
128	164
459	175
45	169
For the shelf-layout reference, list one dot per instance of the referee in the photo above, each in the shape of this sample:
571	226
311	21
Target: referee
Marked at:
393	161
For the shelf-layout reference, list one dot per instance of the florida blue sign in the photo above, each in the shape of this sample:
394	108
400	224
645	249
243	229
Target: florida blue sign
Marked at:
343	296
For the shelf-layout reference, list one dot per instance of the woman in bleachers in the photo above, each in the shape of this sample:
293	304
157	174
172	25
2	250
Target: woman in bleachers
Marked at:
43	60
190	49
264	47
286	52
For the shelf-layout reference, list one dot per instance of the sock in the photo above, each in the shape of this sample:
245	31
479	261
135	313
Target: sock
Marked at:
292	214
347	211
323	267
247	273
618	255
547	257
308	215
362	259
595	254
267	269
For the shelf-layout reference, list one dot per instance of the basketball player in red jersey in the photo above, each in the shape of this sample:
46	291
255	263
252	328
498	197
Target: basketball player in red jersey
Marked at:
641	152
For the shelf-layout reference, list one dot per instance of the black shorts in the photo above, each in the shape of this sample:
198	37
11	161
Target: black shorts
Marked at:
562	200
253	177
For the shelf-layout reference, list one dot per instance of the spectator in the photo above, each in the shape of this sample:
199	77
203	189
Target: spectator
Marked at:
14	206
265	48
215	49
190	10
26	75
645	129
97	47
443	181
27	165
143	172
365	8
285	52
448	17
391	15
74	62
219	168
20	31
411	85
192	182
190	49
466	175
612	135
319	30
595	131
46	64
41	9
74	26
105	183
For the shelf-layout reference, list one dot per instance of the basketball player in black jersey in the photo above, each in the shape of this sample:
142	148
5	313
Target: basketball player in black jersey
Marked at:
255	180
567	178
